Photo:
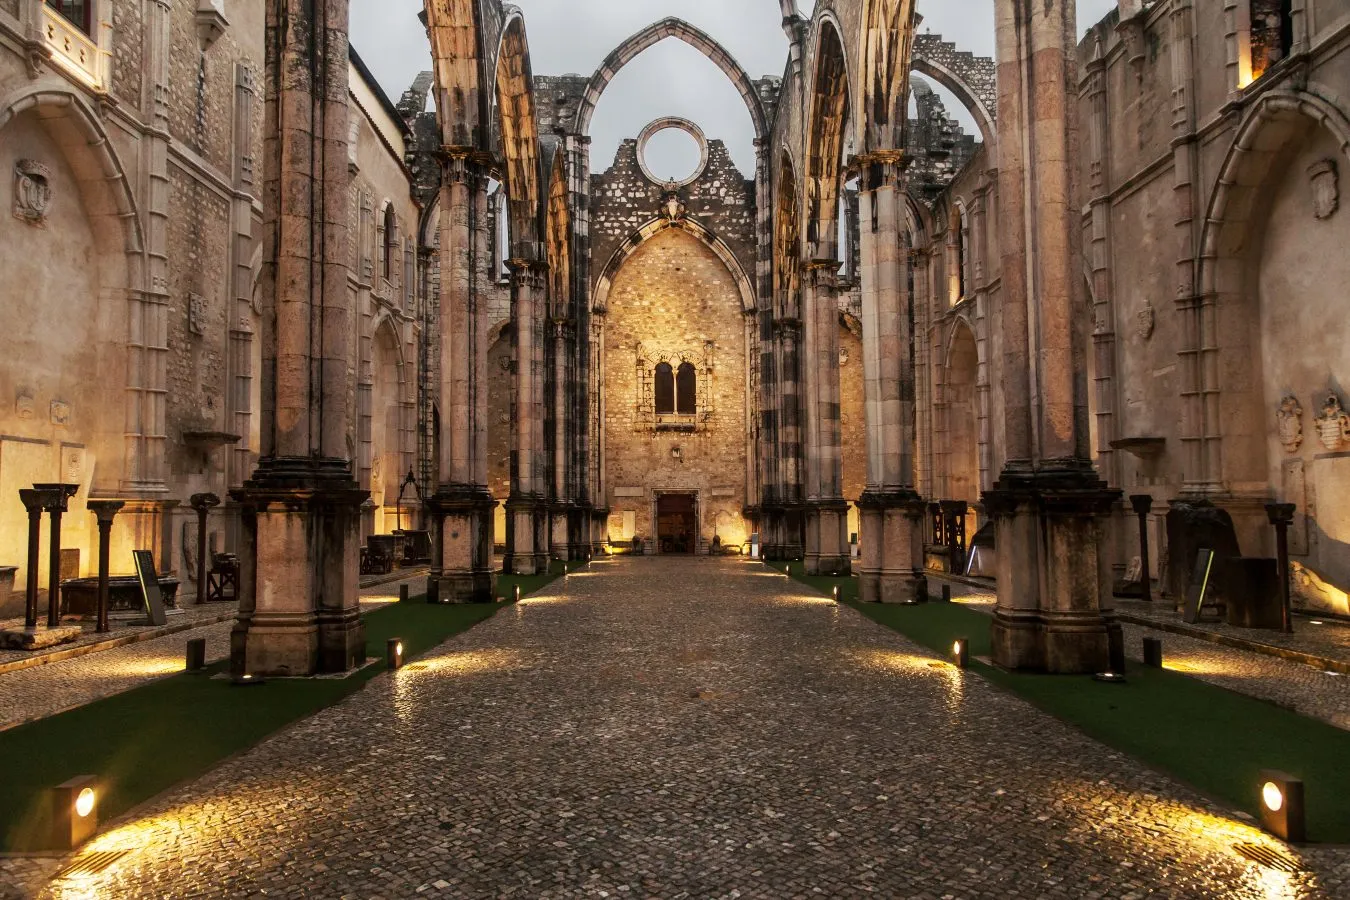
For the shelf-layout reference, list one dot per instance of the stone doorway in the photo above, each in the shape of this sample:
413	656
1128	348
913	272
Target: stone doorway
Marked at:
676	523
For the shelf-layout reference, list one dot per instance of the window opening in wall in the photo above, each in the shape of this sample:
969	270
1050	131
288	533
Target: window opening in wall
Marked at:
963	245
1272	33
80	13
664	389
390	249
686	390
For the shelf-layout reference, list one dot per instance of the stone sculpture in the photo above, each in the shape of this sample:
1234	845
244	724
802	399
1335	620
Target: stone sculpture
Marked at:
1326	193
1290	419
1333	426
32	191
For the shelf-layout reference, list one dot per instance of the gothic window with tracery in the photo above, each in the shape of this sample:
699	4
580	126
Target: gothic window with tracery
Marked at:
664	389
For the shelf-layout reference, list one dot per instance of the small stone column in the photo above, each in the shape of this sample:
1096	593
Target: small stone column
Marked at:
105	511
35	502
1143	505
1282	516
57	498
299	602
203	504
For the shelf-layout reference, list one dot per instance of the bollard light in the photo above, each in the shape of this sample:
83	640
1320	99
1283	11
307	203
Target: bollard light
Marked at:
403	593
946	593
74	812
1282	806
196	654
517	593
961	653
393	653
1153	654
836	593
247	679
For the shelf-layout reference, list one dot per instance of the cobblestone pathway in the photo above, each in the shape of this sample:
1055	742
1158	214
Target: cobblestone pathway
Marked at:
686	728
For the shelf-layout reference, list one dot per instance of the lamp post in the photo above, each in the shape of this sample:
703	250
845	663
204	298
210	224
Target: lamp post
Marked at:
203	504
1143	505
1282	516
58	501
34	501
105	511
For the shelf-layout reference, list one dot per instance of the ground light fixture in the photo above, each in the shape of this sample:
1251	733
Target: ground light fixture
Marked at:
196	655
836	593
1282	806
1153	654
247	679
517	593
74	812
961	652
393	653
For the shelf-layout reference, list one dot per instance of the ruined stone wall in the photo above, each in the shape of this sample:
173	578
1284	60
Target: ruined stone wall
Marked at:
675	297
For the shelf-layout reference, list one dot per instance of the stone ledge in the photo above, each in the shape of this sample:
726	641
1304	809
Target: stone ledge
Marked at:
39	638
1338	666
112	643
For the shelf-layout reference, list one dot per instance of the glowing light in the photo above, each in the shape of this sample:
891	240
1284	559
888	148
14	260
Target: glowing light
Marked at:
399	648
84	804
1272	796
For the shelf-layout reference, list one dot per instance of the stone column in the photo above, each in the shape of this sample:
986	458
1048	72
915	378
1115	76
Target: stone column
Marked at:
299	610
526	540
791	509
105	511
559	506
35	502
892	511
827	551
57	497
462	503
1048	499
203	504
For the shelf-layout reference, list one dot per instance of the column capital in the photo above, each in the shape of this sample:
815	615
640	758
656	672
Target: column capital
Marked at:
106	510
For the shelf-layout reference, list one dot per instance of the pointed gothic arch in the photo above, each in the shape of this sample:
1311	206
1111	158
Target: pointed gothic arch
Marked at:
829	123
514	85
649	37
888	34
972	79
454	29
744	284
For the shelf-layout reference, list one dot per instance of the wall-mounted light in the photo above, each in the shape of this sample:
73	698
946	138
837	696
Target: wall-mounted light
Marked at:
196	655
961	652
1282	806
393	653
74	812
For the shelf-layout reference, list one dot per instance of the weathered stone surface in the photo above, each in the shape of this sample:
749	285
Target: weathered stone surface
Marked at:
39	638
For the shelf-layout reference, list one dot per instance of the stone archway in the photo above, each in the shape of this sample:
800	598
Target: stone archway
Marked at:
651	36
973	79
961	478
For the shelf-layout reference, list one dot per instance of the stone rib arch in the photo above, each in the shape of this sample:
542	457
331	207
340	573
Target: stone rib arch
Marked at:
454	28
649	37
744	285
830	118
519	136
887	38
973	79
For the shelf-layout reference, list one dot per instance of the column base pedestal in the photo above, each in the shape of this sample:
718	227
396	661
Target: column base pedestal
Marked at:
465	574
299	605
827	550
892	565
1053	579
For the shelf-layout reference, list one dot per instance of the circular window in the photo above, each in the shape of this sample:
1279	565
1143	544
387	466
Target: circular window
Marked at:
672	150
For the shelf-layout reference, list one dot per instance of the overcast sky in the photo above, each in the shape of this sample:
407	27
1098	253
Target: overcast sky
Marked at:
670	79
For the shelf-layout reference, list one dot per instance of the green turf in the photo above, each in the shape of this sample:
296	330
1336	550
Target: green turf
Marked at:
146	740
1214	739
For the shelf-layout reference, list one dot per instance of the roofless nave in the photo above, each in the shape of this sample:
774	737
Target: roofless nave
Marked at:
897	349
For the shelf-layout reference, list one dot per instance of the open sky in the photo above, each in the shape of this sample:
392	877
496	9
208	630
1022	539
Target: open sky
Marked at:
670	79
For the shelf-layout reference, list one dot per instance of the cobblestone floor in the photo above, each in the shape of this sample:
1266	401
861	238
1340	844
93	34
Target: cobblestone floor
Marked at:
686	728
188	616
35	693
1309	691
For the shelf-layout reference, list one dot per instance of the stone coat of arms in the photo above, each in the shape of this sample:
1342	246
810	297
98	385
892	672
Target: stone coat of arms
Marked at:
1333	426
1289	418
1326	192
32	191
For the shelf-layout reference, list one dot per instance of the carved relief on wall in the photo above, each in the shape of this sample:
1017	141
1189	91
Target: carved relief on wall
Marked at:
196	314
1333	426
1326	191
672	205
25	407
60	413
1289	418
1145	322
32	191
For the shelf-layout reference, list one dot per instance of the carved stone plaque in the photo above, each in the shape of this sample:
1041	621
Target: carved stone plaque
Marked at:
1333	426
32	191
1326	191
1289	419
60	412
